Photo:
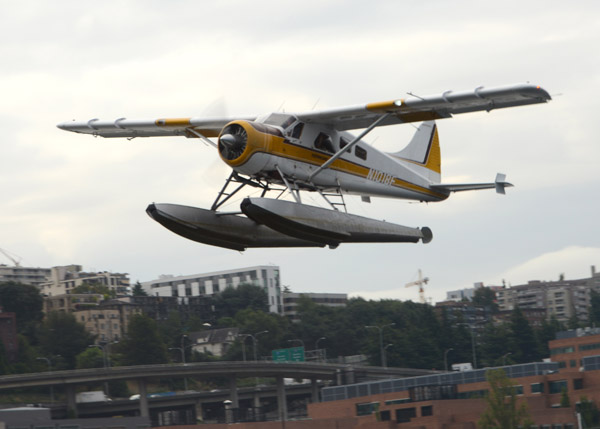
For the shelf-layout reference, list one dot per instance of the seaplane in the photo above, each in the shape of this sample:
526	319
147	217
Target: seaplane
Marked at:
281	155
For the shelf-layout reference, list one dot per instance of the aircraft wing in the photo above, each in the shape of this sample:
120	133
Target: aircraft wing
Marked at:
418	109
122	127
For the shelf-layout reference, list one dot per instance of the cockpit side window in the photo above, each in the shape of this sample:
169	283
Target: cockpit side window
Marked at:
324	142
297	131
280	120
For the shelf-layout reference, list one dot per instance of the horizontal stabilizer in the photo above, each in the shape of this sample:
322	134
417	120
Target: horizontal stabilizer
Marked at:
499	185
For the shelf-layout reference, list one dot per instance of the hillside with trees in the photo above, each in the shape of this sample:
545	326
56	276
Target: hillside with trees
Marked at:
413	334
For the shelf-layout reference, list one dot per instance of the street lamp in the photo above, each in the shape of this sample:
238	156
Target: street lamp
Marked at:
104	361
385	352
324	354
244	344
472	343
182	350
91	346
504	358
49	370
107	349
255	341
446	358
381	349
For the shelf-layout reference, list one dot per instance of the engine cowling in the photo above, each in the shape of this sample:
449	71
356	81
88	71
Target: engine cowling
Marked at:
240	141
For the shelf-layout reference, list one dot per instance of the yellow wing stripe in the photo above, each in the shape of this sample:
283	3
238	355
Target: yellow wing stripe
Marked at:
382	106
173	122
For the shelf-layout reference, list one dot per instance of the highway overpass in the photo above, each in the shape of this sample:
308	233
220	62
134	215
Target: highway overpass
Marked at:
336	373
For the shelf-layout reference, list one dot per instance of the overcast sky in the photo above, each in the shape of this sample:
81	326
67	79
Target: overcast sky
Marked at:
69	198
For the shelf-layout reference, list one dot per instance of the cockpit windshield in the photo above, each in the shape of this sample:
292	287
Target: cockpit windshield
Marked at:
280	119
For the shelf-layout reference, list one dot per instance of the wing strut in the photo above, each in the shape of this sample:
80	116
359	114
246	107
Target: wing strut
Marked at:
202	137
349	146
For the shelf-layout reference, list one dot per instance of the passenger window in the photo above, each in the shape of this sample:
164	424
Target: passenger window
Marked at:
360	152
323	142
297	132
344	143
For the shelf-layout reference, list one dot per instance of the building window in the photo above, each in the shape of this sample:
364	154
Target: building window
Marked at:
578	383
557	386
427	411
561	350
367	408
537	387
403	415
385	416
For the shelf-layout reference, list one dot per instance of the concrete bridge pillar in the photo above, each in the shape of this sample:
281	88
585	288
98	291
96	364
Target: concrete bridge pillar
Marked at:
144	409
350	378
314	387
235	402
281	399
71	402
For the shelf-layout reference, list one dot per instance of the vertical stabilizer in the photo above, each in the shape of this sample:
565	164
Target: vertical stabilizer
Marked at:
424	148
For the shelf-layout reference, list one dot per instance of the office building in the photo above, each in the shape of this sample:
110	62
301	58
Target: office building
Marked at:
184	287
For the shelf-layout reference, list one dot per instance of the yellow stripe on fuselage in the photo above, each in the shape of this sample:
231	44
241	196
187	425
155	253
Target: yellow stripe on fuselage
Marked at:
277	146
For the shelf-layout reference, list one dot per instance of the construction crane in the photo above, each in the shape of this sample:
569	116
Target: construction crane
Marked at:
17	262
420	282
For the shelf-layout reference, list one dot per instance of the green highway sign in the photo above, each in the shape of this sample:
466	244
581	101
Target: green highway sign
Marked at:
293	354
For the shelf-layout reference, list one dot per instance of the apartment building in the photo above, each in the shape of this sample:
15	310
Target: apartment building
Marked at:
184	287
25	275
109	320
562	299
62	280
72	302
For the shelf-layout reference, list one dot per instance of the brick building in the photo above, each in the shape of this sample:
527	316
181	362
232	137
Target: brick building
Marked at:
454	400
569	349
8	335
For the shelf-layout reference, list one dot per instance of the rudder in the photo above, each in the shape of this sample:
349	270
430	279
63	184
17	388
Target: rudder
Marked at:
424	148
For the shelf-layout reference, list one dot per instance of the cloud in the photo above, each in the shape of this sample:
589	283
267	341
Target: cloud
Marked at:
572	261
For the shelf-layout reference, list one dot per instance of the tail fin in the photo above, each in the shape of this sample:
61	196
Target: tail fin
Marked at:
424	148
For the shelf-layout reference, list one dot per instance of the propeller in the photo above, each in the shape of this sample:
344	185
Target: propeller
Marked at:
232	141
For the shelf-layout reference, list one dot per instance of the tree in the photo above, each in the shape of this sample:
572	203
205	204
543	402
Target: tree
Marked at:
4	365
25	301
95	287
595	308
588	410
143	344
61	334
493	350
138	290
502	410
523	341
547	332
565	402
485	297
231	300
92	357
